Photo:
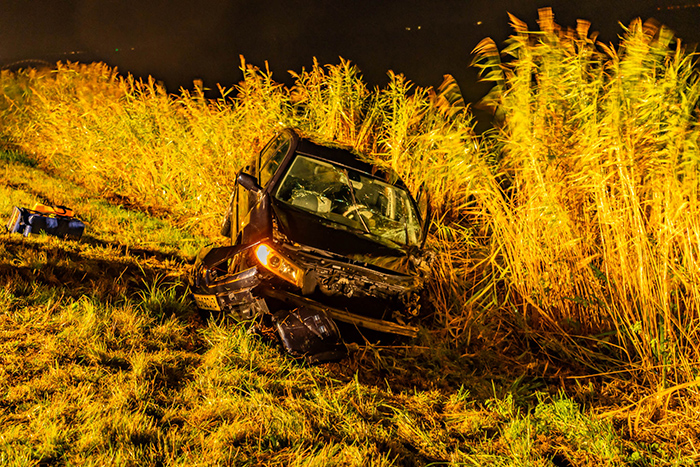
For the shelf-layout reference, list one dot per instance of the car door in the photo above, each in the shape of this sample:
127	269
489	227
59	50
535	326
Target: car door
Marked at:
250	218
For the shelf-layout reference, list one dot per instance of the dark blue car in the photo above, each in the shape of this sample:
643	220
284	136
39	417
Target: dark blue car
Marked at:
318	235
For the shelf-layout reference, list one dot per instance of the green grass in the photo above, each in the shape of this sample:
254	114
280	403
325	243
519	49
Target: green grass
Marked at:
86	381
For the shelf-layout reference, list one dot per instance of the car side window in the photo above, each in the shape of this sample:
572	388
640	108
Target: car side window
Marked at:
271	157
241	204
233	212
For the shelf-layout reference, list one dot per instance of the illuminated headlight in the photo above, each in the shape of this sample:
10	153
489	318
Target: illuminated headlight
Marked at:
279	265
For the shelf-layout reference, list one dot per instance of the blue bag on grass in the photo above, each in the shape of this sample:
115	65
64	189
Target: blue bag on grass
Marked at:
27	221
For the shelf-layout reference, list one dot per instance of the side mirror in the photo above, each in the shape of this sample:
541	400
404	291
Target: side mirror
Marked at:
249	182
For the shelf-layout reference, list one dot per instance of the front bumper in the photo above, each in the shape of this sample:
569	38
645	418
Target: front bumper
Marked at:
249	290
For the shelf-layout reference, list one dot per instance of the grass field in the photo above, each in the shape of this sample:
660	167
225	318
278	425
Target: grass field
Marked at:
106	362
566	293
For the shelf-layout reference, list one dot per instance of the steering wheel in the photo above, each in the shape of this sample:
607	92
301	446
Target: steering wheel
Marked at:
358	210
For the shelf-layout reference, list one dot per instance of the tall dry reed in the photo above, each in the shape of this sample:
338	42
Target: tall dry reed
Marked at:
599	225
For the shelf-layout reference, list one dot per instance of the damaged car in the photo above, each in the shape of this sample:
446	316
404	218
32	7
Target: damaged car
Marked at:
319	238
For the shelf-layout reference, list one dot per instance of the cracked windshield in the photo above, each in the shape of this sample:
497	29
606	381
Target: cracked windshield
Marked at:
347	197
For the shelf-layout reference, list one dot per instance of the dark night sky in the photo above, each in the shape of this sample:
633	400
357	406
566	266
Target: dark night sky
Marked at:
178	41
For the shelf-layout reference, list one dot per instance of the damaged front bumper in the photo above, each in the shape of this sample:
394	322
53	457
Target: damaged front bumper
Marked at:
258	280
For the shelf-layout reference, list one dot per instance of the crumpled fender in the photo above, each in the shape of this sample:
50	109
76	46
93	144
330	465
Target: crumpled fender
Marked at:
226	291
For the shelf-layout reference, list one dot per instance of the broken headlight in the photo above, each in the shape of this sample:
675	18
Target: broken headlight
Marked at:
279	265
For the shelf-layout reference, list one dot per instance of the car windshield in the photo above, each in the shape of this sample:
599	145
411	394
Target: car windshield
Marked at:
352	199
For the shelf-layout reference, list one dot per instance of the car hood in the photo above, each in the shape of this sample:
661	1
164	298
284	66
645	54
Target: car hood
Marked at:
307	229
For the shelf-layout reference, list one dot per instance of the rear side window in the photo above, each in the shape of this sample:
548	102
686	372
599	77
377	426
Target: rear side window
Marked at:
271	157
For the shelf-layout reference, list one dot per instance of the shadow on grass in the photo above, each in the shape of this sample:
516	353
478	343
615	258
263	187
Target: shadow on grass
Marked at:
87	267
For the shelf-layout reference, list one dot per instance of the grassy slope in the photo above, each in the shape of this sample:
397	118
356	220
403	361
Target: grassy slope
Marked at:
105	362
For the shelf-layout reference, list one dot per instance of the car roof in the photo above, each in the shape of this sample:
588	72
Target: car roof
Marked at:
344	156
